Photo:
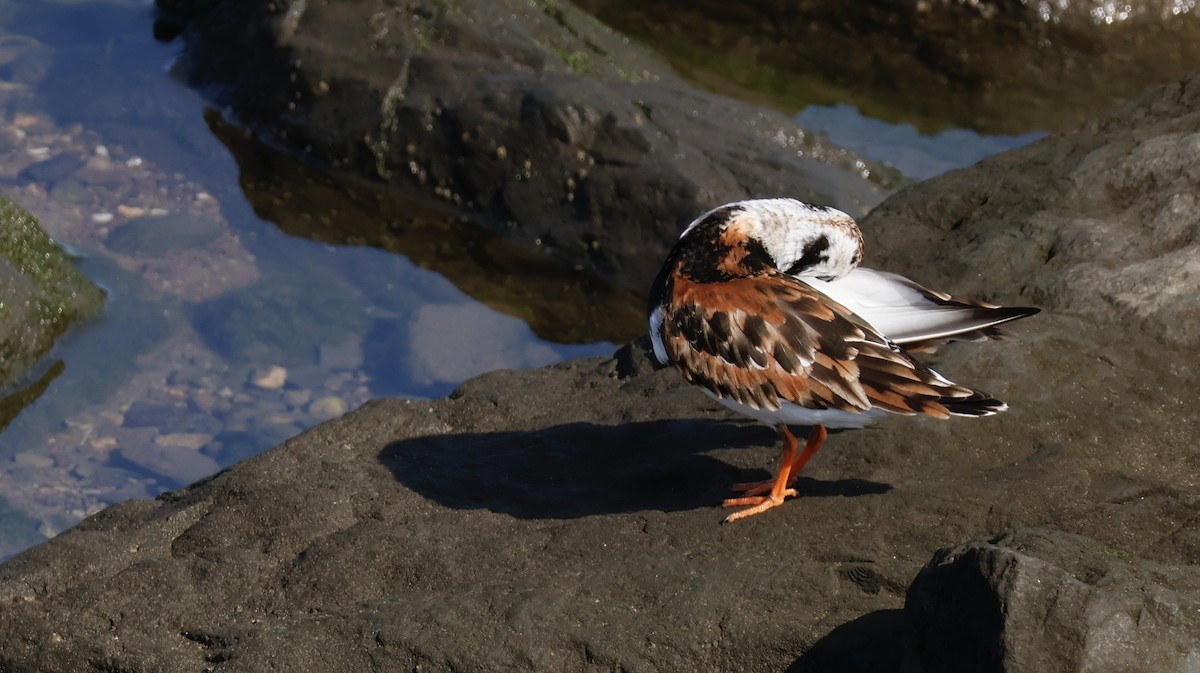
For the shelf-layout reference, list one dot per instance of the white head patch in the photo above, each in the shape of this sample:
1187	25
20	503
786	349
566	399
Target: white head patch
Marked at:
802	239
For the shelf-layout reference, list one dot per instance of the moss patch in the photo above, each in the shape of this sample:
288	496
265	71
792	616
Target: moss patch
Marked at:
41	292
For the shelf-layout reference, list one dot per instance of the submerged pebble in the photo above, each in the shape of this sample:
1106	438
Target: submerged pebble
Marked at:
269	378
327	407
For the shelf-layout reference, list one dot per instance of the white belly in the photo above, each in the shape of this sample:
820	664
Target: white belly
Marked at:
794	414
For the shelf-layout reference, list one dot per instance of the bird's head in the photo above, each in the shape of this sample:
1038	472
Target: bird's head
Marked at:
791	236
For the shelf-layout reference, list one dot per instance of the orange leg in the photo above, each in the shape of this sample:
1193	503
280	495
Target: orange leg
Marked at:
780	487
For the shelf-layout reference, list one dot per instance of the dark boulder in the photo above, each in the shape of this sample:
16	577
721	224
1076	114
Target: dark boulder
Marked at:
560	133
1043	600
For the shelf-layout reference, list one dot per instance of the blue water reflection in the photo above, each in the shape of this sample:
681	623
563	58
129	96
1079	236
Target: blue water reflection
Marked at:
223	335
917	156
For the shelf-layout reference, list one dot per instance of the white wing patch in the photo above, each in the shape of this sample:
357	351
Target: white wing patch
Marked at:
898	308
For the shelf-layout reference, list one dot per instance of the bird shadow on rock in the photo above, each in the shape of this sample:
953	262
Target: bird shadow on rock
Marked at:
877	642
581	469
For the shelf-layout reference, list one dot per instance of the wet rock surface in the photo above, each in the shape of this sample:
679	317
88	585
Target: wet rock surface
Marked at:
558	133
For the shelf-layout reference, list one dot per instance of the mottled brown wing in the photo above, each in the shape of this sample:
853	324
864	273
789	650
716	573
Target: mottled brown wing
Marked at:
769	338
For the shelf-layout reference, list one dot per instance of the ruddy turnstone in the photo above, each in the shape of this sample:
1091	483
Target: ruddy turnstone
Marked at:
763	305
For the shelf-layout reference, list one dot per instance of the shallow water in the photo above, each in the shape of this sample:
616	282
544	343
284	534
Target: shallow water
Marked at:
250	296
901	146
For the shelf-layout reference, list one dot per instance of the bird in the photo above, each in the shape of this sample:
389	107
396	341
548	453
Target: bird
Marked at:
763	305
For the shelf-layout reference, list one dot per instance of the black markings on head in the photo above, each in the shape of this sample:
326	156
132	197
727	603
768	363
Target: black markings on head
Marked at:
720	216
757	259
705	254
814	253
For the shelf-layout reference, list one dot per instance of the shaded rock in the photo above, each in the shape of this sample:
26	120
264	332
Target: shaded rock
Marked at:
1044	600
73	191
345	356
876	641
24	62
298	397
41	293
994	66
31	459
269	378
286	320
193	441
561	134
325	408
12	404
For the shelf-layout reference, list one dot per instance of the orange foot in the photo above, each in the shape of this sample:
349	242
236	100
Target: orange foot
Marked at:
760	496
755	504
748	488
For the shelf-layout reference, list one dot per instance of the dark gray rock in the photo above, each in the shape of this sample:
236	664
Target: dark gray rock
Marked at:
566	518
561	134
1043	600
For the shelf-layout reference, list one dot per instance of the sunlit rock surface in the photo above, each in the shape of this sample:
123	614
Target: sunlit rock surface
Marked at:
1098	222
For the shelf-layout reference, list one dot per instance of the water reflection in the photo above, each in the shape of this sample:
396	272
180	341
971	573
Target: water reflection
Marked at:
560	304
226	334
12	403
902	146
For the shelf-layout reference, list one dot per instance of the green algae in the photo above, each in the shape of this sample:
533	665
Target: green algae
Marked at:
41	292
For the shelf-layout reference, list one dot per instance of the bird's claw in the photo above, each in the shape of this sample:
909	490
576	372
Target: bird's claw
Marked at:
755	504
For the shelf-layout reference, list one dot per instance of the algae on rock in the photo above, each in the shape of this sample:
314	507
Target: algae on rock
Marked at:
41	292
